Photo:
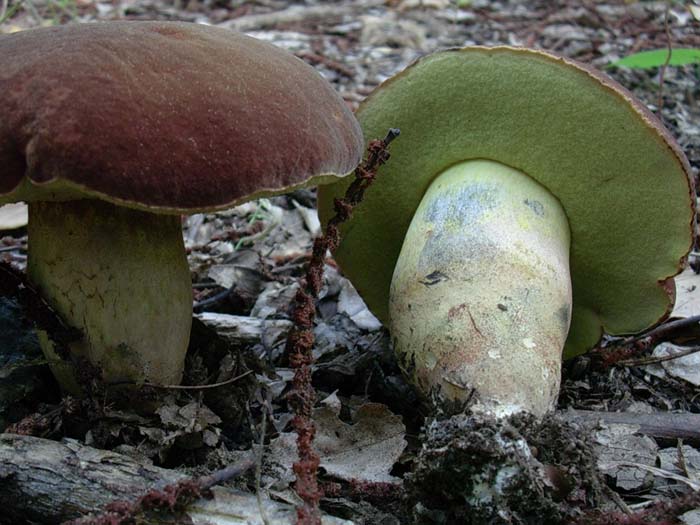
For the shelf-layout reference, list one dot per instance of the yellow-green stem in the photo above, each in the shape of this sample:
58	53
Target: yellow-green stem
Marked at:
121	276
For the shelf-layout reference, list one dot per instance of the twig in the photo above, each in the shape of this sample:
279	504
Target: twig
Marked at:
668	426
642	361
258	466
212	300
659	513
225	474
301	338
200	387
681	464
668	331
622	349
662	72
316	58
617	500
184	387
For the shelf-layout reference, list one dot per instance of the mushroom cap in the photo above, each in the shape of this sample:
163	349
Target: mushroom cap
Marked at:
164	116
621	178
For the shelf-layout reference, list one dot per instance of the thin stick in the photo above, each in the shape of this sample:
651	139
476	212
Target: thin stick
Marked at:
662	72
668	330
620	350
230	472
200	387
658	359
667	426
258	466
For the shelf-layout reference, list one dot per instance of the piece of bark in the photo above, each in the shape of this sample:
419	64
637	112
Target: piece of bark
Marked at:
240	329
659	425
46	482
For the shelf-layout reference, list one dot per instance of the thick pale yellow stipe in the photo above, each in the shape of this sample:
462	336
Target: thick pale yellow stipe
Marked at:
121	276
480	300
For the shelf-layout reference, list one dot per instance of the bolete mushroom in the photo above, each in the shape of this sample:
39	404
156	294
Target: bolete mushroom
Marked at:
110	131
522	179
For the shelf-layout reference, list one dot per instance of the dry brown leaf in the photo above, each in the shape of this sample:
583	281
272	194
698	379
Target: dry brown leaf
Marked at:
364	451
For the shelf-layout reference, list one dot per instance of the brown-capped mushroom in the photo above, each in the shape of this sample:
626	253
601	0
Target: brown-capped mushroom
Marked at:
110	131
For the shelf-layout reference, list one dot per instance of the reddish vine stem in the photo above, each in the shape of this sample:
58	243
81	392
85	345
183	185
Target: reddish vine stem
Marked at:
301	338
168	502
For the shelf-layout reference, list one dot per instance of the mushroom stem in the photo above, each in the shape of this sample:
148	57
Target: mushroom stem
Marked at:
480	301
122	277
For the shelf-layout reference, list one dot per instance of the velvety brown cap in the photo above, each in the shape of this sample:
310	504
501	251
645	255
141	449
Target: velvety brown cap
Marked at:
163	115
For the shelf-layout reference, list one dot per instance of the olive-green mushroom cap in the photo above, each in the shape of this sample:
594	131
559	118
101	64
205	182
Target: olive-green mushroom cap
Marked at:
163	116
622	180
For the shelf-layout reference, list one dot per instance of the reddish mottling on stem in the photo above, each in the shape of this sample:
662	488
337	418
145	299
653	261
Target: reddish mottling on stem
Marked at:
301	338
456	311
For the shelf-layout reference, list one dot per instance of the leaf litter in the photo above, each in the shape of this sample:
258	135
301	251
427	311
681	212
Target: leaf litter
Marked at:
245	261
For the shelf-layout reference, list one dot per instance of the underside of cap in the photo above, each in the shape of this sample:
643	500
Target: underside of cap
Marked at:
623	182
164	116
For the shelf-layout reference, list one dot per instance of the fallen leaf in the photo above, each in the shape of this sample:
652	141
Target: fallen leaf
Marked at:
351	304
686	368
687	294
364	451
619	444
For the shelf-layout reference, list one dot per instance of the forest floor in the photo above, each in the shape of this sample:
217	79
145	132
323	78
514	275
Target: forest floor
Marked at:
246	263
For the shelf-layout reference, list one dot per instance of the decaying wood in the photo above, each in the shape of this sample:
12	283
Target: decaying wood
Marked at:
660	425
47	482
